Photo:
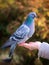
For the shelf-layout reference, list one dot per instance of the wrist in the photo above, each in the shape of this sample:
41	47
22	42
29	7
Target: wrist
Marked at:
38	44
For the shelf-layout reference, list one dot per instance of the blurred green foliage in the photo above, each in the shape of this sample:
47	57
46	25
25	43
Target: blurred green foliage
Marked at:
12	14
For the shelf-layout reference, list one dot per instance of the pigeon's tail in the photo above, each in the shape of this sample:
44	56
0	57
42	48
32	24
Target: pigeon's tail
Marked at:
12	45
12	48
8	44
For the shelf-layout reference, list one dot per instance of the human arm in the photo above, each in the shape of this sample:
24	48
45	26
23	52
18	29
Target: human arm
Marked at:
43	48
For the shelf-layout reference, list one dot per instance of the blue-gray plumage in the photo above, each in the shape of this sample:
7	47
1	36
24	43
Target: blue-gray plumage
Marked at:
22	34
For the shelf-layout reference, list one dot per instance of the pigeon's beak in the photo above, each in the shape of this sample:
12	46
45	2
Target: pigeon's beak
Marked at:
36	16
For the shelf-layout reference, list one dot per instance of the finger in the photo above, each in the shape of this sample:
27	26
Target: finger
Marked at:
22	44
25	45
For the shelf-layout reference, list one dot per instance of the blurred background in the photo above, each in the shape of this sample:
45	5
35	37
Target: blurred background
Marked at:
12	14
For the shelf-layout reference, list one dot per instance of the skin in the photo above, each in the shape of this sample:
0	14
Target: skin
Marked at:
31	45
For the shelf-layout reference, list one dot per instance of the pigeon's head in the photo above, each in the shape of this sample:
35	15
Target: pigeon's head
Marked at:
30	18
32	15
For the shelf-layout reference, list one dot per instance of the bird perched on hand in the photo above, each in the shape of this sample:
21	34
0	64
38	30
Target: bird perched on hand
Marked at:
22	34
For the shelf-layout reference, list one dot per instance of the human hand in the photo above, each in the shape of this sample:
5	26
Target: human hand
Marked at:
31	45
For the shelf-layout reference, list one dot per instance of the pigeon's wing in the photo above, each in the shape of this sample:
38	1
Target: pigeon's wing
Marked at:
20	36
21	33
17	36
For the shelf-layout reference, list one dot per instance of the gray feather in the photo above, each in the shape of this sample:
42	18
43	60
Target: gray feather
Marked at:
7	44
12	48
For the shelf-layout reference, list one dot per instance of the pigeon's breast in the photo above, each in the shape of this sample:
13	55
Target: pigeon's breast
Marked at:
32	29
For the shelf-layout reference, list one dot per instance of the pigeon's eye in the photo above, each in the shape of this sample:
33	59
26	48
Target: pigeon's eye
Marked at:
33	15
